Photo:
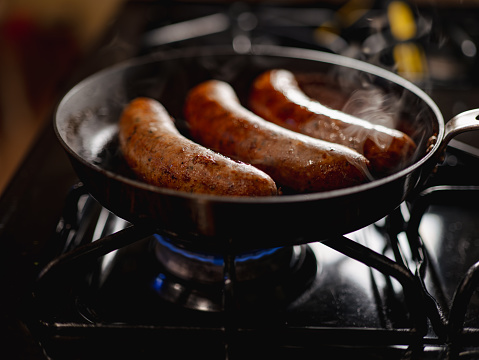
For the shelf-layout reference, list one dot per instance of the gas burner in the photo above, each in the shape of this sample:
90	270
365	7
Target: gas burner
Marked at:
270	277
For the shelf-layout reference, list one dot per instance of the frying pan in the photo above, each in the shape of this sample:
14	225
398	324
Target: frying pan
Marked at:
86	125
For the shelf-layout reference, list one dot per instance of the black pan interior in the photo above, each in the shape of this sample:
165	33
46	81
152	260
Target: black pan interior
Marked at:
91	131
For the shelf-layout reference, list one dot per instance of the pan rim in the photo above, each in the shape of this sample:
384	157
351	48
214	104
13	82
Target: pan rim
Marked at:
258	50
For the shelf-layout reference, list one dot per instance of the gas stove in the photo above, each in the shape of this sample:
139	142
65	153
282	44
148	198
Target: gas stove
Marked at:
80	282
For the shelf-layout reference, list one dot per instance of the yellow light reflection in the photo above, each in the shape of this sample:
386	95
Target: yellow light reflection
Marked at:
410	61
401	20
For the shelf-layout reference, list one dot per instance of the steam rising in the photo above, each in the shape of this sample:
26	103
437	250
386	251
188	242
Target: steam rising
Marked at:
375	106
378	109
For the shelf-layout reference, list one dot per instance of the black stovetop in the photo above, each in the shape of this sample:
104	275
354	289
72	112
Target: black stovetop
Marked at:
346	309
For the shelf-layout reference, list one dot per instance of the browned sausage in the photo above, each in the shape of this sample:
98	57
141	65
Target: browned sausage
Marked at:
295	161
160	155
277	97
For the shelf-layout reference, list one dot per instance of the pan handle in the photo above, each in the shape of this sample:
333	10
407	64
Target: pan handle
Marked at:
463	122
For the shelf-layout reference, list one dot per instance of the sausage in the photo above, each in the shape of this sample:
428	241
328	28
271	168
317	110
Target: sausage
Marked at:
160	155
276	96
296	162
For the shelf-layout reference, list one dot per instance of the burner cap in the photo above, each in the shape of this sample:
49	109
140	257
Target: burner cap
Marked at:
270	277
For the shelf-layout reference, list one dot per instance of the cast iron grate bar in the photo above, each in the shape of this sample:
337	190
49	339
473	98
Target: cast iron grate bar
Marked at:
413	292
457	333
422	306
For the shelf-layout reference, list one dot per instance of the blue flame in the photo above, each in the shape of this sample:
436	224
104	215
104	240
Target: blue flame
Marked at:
159	281
216	260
